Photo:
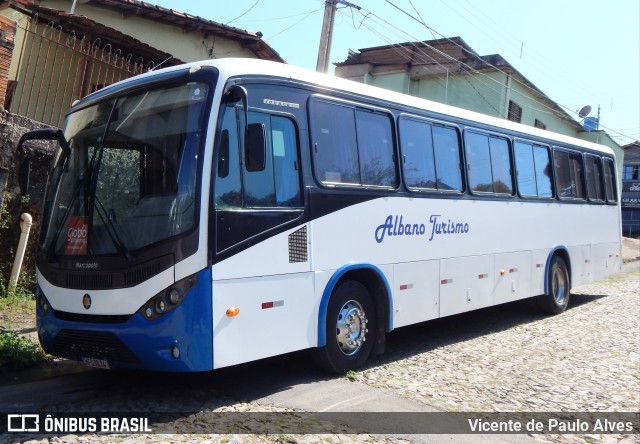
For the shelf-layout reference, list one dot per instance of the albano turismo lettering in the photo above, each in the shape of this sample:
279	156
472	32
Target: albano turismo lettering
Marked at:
396	226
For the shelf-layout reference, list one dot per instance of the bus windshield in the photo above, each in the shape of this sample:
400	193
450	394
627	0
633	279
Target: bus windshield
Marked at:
127	177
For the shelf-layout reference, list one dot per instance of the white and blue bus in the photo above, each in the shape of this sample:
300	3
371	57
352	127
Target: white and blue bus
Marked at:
220	212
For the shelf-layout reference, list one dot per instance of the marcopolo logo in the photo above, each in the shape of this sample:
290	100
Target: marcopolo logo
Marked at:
397	226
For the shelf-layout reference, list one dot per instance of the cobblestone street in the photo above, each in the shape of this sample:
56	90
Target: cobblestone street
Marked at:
503	359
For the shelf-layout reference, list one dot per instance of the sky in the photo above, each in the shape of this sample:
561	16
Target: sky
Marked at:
577	52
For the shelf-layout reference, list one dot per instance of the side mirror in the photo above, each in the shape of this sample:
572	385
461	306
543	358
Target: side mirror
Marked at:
24	159
255	147
24	170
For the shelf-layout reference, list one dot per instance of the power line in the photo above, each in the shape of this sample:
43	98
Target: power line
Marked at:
557	112
244	13
271	37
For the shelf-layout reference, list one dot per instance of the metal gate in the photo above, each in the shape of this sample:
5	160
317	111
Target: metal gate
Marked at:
55	68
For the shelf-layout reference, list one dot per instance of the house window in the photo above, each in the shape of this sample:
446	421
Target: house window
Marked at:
631	172
539	124
515	112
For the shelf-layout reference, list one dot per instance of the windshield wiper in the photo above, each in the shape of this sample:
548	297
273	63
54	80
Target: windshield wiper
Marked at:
109	225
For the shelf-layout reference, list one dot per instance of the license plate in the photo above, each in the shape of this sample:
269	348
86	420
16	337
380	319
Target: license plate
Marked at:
96	363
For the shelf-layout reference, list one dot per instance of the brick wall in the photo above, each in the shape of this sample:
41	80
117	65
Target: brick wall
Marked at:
7	34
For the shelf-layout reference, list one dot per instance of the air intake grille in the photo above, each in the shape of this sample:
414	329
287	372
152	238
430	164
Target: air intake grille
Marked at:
89	281
298	246
141	274
109	279
75	344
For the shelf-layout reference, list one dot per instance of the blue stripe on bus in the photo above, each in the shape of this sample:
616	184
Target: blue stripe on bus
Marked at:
189	326
326	295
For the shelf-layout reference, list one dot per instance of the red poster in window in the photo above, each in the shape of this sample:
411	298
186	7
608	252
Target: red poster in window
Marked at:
76	236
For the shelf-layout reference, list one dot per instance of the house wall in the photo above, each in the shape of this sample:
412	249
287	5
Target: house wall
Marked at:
483	94
187	46
7	35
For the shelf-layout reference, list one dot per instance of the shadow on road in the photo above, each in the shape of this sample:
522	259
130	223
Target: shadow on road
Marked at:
137	391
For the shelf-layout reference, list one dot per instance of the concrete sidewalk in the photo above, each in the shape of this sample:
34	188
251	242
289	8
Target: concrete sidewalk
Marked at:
630	249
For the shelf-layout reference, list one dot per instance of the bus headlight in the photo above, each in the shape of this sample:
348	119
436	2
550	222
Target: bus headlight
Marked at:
41	300
168	299
174	296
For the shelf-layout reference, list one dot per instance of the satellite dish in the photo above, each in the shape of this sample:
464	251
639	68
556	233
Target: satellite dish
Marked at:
584	111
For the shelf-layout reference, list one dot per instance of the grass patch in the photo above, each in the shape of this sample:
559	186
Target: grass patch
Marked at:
18	353
18	304
619	277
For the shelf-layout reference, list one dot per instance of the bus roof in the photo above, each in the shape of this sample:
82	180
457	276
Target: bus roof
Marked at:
234	67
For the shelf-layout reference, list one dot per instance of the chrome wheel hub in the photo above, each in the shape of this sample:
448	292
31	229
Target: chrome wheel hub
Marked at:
351	327
559	285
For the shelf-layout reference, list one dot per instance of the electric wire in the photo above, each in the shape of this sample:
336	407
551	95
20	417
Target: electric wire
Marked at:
244	13
557	75
563	115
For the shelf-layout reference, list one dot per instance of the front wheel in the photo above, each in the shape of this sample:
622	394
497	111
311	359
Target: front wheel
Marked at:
557	298
350	328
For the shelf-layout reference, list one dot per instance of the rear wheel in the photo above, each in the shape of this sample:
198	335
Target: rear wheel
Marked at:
350	328
557	298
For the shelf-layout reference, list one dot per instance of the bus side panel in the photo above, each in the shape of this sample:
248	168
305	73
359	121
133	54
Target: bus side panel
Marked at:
276	316
416	292
513	277
605	259
273	291
580	265
466	283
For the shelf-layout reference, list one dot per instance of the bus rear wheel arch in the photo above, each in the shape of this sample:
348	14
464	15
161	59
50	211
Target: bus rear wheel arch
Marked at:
351	326
556	299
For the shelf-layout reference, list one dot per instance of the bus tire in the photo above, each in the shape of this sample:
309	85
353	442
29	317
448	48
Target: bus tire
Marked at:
350	329
557	298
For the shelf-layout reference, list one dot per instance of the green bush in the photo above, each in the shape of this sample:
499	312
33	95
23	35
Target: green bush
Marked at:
18	353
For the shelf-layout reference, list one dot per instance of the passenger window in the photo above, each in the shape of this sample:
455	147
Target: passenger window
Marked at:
431	156
489	164
375	148
569	174
542	158
526	169
533	166
335	148
446	146
417	150
352	145
577	174
479	162
501	165
610	181
593	174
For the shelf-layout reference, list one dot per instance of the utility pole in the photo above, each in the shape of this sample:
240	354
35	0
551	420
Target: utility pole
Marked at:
325	37
324	50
